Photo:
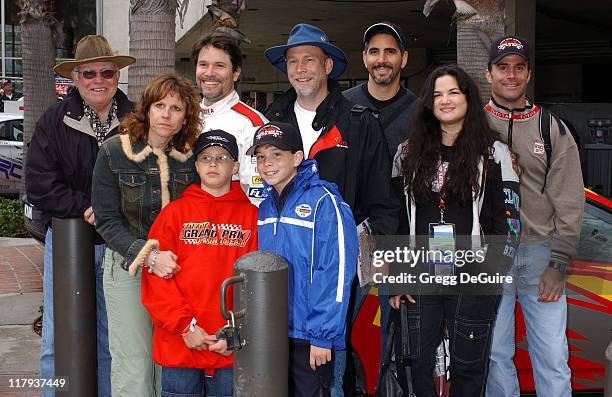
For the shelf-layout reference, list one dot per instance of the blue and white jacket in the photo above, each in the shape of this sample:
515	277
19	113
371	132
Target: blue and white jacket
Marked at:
316	234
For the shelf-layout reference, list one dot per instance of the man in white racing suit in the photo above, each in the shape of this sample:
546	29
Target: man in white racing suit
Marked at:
218	62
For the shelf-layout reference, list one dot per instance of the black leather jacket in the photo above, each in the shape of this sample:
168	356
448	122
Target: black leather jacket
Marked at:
372	197
61	158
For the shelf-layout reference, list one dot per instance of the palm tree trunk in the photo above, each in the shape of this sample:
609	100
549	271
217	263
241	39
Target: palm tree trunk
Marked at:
38	52
479	22
152	32
473	51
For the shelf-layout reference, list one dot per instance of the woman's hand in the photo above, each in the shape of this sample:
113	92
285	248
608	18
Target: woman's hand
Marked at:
89	217
164	265
395	300
515	163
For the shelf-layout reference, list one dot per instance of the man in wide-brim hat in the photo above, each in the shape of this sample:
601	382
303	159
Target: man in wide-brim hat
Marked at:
350	149
59	170
95	71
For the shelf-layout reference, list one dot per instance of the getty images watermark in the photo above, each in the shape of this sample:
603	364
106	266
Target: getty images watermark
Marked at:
414	265
443	266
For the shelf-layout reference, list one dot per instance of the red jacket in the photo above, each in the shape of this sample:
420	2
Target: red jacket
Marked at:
207	234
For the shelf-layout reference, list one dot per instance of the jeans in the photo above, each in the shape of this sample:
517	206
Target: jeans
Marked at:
469	320
47	358
339	356
545	324
188	382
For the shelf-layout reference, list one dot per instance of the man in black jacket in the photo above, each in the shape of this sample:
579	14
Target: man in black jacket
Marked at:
356	159
384	56
59	171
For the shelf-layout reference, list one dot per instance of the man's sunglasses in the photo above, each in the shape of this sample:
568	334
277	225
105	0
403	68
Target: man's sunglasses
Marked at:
92	74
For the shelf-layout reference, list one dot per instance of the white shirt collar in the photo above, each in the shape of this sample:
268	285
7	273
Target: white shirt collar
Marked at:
222	104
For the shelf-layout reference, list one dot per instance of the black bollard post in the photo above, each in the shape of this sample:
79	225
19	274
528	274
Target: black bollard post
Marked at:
260	304
74	306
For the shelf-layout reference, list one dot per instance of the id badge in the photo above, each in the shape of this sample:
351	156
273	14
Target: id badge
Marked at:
441	249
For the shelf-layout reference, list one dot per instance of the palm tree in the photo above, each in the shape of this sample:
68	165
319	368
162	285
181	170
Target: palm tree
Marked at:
38	51
225	16
152	35
152	32
478	23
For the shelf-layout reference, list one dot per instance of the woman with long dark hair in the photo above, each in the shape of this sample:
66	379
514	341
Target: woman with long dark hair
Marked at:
457	178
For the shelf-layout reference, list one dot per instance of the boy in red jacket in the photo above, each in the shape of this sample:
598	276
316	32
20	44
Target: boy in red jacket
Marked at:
208	228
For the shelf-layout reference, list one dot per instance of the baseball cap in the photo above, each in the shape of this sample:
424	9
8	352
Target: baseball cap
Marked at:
281	135
508	45
385	27
217	138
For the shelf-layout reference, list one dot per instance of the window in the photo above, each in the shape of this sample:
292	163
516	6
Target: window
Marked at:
17	130
4	131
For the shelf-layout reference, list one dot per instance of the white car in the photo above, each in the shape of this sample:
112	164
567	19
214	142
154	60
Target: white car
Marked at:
11	153
11	170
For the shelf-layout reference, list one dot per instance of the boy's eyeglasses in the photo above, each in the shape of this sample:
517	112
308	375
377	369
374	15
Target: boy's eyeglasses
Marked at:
223	159
92	74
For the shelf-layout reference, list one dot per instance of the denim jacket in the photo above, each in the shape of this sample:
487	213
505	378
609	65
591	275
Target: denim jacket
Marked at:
131	184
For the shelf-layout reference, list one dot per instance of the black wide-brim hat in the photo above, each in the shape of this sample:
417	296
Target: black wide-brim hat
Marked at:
305	34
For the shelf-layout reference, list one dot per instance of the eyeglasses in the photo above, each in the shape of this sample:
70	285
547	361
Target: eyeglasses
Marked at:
223	159
92	74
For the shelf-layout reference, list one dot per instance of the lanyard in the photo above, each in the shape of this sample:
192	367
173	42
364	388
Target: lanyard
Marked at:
441	204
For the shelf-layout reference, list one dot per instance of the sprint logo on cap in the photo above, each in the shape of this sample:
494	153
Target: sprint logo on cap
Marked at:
510	42
217	138
271	130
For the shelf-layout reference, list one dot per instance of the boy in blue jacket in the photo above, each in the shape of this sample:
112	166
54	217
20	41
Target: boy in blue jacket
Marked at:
305	220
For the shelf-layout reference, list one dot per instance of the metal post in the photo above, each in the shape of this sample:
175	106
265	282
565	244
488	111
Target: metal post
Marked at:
2	35
74	305
100	17
608	372
260	304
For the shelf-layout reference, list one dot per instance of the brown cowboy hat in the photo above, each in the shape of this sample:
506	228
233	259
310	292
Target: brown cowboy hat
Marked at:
92	48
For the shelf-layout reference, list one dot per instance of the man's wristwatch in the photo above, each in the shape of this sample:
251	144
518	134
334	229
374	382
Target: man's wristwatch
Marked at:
561	267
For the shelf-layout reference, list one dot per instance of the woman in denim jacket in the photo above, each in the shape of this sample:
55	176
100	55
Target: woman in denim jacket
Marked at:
136	174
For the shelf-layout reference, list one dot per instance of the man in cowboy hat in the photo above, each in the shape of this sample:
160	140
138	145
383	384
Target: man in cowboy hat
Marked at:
346	141
59	170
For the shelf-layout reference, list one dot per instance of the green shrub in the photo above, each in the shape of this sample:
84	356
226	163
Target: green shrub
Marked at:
11	218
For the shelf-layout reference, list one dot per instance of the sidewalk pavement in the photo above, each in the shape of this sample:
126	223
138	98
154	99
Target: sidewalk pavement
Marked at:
21	267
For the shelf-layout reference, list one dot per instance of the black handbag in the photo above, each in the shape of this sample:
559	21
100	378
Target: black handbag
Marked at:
388	384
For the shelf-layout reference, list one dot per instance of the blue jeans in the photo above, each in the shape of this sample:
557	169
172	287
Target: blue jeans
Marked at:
47	358
545	324
191	382
339	356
